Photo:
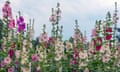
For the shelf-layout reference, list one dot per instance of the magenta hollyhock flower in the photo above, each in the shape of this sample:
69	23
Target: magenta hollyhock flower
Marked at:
21	24
98	47
11	53
76	54
75	61
7	11
108	29
108	37
75	70
34	57
12	24
11	69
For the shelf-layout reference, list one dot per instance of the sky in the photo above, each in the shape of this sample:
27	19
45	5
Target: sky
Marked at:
85	11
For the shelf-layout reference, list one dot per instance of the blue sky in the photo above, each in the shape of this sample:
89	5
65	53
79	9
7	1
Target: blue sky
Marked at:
85	11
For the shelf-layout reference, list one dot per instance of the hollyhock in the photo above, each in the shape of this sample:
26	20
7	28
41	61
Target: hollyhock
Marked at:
83	55
17	53
38	69
58	57
43	37
21	24
11	53
7	11
34	57
76	54
51	40
108	37
108	29
25	42
14	45
7	60
69	46
11	69
75	61
2	64
52	18
94	32
98	47
106	58
82	64
105	49
116	54
12	24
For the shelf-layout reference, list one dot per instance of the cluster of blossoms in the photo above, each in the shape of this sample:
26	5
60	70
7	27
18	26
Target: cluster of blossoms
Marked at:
20	53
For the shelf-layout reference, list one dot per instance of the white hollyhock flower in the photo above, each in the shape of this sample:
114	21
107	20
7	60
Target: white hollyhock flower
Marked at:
58	57
42	55
25	69
82	64
105	49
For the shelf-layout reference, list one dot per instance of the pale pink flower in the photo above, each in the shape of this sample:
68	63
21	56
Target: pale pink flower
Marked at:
7	60
94	32
11	69
2	64
116	54
17	53
43	37
106	58
25	42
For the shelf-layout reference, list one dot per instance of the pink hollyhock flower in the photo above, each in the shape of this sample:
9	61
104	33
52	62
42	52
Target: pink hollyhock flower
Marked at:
52	18
108	37
43	37
2	64
7	11
34	57
11	69
11	53
7	60
12	24
94	32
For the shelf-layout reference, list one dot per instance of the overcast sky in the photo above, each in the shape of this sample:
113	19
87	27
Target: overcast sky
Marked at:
85	11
